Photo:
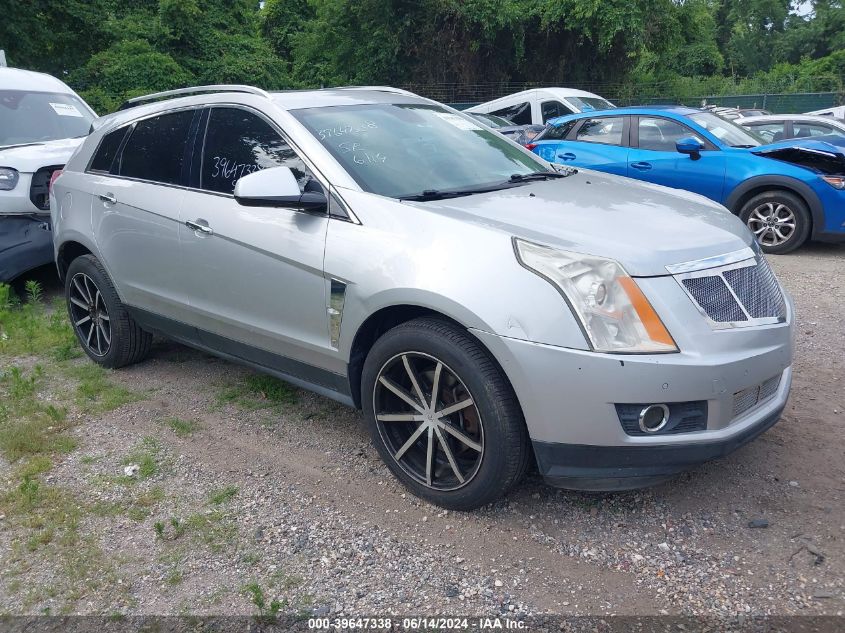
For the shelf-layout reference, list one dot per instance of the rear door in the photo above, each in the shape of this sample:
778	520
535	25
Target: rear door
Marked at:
654	158
254	274
597	143
139	183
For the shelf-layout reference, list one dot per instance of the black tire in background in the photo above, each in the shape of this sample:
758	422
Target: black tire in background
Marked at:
106	331
494	420
780	221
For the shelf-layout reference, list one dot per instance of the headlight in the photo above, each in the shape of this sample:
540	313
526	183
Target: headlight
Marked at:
8	178
614	312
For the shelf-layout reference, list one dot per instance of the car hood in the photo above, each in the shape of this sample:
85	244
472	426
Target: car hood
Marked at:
823	156
644	227
31	157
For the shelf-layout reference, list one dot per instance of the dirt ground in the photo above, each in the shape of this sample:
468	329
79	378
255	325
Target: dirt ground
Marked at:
248	492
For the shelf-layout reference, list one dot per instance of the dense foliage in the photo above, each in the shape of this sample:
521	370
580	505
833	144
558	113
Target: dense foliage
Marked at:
111	49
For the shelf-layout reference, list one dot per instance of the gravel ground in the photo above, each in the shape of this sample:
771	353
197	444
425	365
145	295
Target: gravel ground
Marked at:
292	497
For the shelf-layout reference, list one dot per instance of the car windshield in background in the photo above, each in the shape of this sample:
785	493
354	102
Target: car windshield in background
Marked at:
405	150
37	117
727	132
588	104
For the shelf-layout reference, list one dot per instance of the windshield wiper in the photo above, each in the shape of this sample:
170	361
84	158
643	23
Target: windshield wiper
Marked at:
539	175
443	194
744	146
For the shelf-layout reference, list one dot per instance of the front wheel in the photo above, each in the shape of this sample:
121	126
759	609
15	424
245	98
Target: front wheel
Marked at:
443	416
779	220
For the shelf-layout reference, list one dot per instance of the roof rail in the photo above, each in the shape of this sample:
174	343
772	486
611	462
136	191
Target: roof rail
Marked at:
400	91
182	92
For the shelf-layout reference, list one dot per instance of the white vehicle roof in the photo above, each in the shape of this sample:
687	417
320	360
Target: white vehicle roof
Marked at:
806	118
552	93
837	112
19	79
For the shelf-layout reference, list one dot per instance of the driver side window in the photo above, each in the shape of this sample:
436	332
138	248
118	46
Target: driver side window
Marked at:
238	143
660	135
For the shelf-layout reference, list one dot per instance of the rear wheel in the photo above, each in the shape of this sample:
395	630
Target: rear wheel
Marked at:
442	415
106	331
779	220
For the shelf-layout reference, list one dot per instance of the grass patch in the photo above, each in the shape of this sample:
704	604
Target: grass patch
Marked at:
147	455
33	328
214	529
182	428
222	495
28	424
258	391
95	393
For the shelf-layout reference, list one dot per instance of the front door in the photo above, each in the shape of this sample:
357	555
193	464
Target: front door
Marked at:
654	158
255	274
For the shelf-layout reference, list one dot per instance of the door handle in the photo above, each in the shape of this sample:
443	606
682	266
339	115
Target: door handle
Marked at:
566	156
201	226
641	166
108	197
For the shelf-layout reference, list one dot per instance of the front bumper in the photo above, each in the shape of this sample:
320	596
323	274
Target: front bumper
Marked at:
17	201
26	242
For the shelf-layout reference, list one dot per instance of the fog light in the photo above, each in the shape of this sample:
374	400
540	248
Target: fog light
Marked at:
653	418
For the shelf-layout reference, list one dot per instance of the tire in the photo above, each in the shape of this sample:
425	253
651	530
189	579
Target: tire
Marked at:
103	326
779	219
477	451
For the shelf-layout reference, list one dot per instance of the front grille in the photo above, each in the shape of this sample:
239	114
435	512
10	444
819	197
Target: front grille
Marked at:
39	192
752	396
737	294
684	417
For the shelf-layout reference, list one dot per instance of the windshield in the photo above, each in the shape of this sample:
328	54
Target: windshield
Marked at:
36	117
402	150
491	120
727	132
588	104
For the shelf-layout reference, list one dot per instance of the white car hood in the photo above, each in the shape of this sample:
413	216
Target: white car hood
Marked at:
28	159
644	227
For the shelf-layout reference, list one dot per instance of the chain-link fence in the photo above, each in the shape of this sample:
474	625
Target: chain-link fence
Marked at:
786	94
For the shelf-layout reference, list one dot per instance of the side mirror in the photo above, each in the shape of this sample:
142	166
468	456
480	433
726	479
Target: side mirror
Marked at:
277	187
690	146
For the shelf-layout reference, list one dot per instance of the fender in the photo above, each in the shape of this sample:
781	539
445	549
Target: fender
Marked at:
70	235
780	182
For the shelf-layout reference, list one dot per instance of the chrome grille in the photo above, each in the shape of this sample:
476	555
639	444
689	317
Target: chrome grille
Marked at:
715	299
752	396
740	294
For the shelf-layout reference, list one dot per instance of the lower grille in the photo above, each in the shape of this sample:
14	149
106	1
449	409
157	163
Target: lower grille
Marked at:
684	417
752	396
737	295
39	190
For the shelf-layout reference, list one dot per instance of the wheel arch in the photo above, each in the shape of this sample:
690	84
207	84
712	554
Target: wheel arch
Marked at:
761	184
69	250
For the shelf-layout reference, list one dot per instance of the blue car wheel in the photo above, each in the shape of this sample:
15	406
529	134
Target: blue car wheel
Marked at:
779	220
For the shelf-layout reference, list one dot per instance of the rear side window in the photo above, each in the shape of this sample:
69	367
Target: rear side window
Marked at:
238	143
806	130
156	148
519	114
557	132
771	132
104	157
605	130
552	109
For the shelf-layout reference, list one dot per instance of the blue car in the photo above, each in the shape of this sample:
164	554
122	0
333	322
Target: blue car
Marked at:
785	192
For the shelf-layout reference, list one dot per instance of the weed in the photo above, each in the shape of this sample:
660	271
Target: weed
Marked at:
266	613
258	391
182	428
158	526
222	495
95	393
34	291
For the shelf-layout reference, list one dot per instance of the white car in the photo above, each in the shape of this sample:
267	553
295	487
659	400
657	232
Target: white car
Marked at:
538	105
781	127
837	112
42	122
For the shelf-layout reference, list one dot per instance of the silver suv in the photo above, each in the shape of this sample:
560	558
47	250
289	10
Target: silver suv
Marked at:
485	310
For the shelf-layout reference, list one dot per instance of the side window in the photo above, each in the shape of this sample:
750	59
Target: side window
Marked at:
660	135
104	156
519	114
771	132
156	148
558	132
805	130
238	143
552	109
607	130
